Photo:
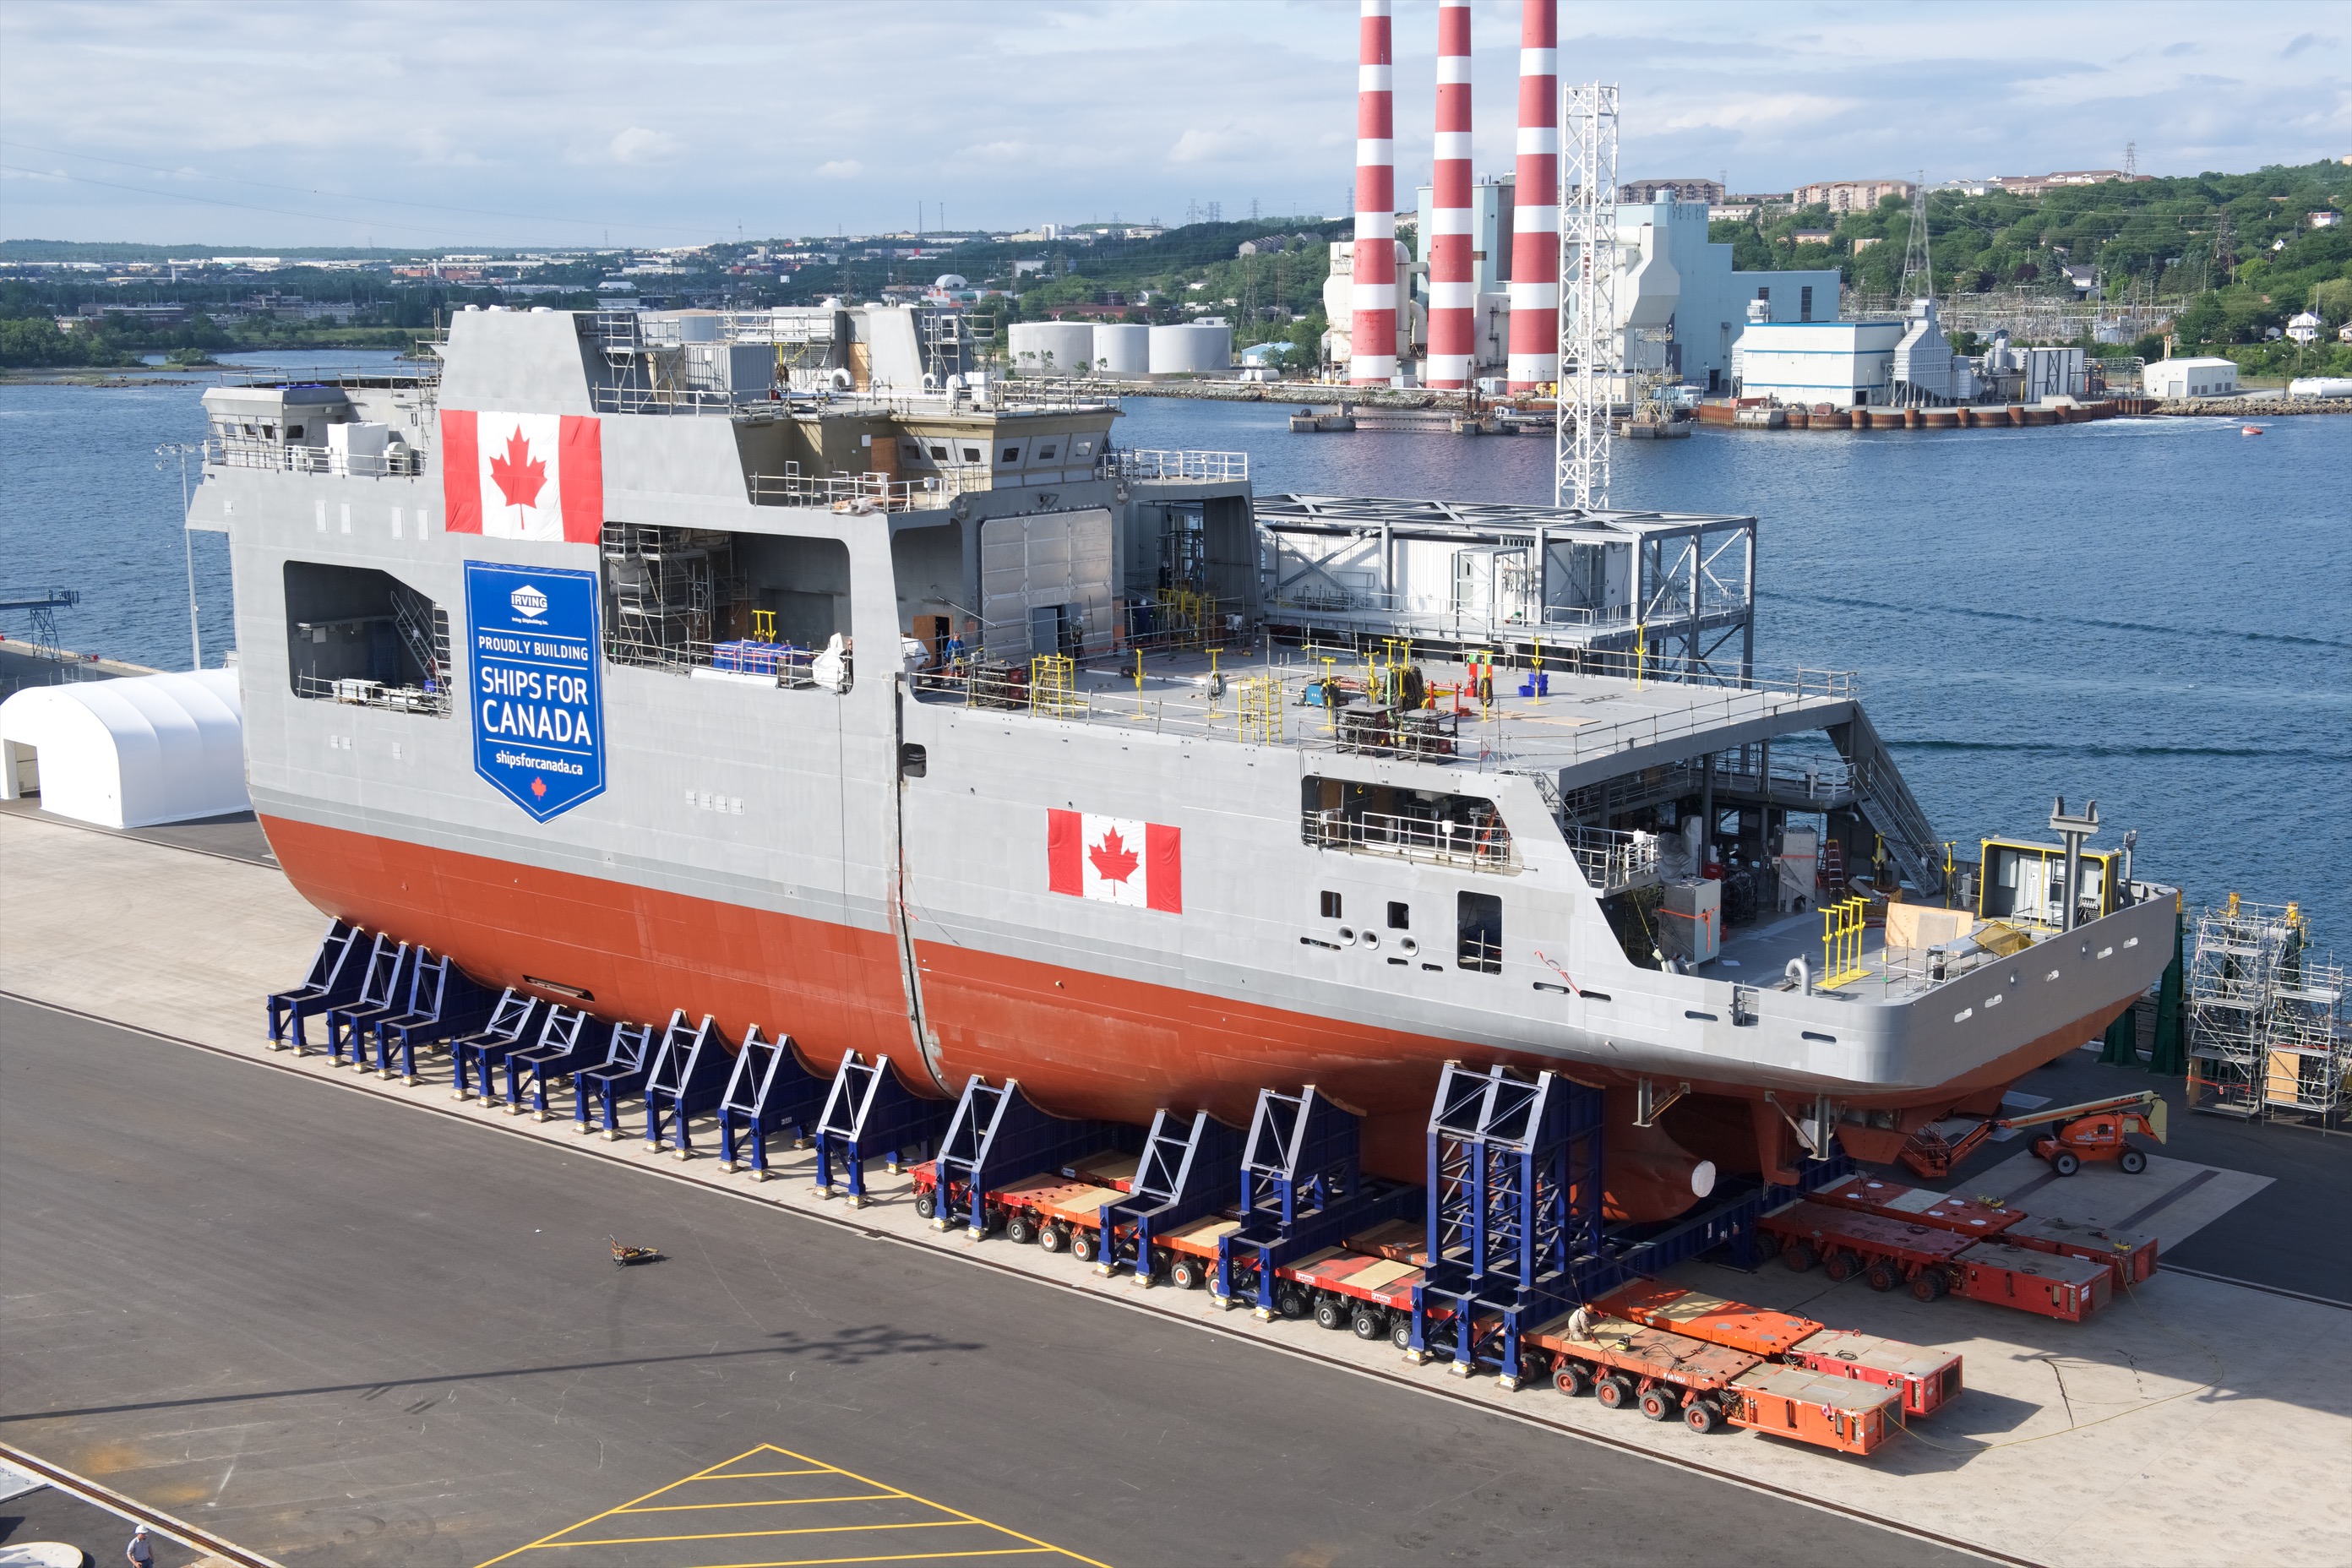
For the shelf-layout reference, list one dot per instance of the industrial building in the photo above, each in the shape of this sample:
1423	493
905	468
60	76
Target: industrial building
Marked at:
1683	306
2199	377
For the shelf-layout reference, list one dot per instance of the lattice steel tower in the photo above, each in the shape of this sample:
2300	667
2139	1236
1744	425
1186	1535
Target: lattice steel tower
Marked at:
1590	346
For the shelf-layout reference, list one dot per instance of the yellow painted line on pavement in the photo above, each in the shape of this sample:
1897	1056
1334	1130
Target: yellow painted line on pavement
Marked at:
567	1539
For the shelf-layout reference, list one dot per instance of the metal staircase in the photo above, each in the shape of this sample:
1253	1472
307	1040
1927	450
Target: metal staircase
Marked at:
1888	805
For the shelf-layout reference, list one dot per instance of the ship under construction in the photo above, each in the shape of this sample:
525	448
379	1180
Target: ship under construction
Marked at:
780	667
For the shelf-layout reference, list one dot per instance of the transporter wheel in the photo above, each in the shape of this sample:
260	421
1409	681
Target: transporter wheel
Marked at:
1881	1275
1613	1392
1019	1229
1700	1417
1799	1255
1929	1284
1841	1266
2065	1162
1660	1404
1572	1379
1187	1273
1053	1238
2132	1161
1368	1324
1290	1301
1401	1331
1083	1245
926	1203
1329	1313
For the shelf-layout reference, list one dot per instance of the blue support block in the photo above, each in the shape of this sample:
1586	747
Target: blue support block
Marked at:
443	1003
473	1053
1513	1208
1302	1190
381	994
687	1077
626	1056
336	970
562	1046
867	1111
1190	1166
997	1137
768	1091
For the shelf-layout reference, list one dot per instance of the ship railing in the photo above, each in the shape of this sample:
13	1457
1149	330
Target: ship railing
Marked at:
1149	464
1436	841
867	492
293	457
1612	860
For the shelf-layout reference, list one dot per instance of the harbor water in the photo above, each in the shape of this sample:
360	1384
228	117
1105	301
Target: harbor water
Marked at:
2155	612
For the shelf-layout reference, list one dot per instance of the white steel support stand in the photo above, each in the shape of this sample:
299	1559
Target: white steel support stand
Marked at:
1589	346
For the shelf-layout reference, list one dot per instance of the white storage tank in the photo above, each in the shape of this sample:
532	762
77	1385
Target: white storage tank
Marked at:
1123	348
1053	348
1192	350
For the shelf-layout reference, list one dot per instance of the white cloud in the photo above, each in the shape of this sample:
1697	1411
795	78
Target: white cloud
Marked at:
637	146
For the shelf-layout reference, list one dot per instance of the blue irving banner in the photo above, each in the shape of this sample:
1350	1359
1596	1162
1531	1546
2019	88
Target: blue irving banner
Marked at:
538	705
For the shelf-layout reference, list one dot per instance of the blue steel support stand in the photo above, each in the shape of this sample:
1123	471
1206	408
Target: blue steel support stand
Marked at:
333	981
1513	1208
386	972
997	1137
867	1111
687	1075
1302	1190
472	1054
443	1003
768	1091
1190	1167
625	1060
562	1046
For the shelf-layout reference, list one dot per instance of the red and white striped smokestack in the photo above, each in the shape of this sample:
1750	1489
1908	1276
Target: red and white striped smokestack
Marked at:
1534	210
1452	330
1372	300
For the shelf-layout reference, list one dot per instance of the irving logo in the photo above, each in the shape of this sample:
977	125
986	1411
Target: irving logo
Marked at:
1115	859
528	602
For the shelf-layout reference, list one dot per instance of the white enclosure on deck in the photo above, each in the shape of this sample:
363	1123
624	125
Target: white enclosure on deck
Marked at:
128	752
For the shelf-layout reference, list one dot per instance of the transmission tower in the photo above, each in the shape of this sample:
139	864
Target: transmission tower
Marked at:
1591	348
1918	263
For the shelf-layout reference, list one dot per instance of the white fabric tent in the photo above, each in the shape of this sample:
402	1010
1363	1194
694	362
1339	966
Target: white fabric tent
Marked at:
128	752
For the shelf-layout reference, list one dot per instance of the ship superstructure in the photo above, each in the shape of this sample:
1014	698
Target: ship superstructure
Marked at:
653	667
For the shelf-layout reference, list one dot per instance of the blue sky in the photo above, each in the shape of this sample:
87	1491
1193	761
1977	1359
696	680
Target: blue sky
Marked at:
422	123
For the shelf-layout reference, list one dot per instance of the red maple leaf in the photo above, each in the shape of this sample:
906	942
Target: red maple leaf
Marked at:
518	475
1114	862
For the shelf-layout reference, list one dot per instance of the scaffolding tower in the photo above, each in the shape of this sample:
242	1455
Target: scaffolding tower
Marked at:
2268	1035
1590	347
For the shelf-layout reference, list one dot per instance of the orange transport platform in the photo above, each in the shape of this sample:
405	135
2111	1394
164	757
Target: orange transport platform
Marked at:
2131	1254
1668	1375
1864	1194
1835	1413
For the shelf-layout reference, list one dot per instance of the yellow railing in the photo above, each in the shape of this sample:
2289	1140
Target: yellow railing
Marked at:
1842	928
1261	715
1054	687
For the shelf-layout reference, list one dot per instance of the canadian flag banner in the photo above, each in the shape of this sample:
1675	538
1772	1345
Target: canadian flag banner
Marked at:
1114	858
523	476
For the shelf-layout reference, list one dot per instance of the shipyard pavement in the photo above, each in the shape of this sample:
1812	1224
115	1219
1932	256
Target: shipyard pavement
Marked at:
397	1351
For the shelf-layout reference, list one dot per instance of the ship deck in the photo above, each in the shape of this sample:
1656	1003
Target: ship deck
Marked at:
1582	726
